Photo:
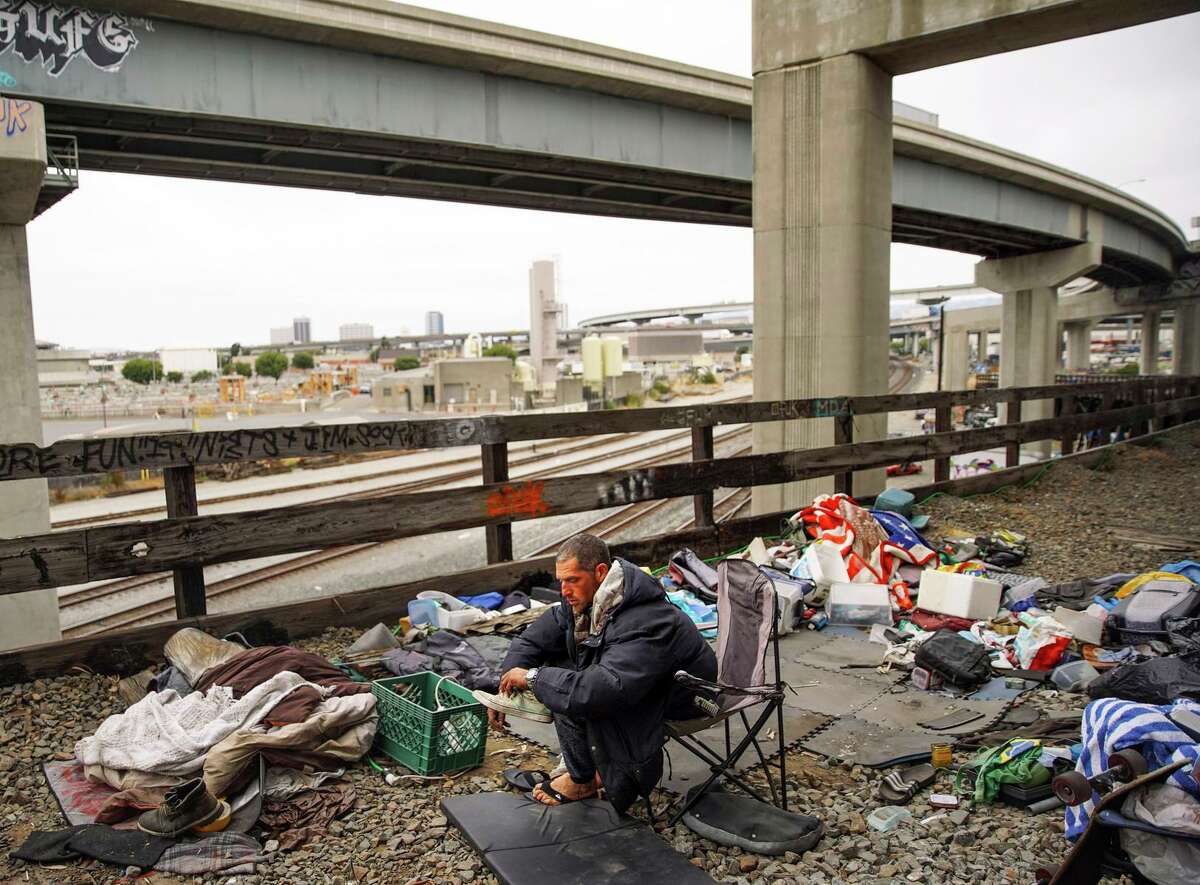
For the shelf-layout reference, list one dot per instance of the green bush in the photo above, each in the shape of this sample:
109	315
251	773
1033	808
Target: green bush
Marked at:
142	371
501	350
271	364
1127	369
404	363
634	400
243	369
174	377
302	360
202	376
705	376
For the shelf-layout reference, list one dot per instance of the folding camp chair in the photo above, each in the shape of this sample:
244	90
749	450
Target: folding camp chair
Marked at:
747	613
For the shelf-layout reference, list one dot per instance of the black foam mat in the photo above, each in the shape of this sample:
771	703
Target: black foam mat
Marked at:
524	842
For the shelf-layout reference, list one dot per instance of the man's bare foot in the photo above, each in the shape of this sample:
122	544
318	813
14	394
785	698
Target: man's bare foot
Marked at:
569	790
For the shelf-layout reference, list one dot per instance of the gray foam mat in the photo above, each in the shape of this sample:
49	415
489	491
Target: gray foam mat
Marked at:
911	708
868	743
835	694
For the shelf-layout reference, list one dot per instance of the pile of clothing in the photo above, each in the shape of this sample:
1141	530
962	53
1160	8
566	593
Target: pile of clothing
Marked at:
251	738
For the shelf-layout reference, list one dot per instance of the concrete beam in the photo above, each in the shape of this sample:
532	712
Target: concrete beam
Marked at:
22	158
902	37
1040	270
1079	346
822	229
1185	358
1151	324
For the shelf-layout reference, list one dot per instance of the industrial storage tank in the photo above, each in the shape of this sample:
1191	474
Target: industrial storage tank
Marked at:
614	357
593	360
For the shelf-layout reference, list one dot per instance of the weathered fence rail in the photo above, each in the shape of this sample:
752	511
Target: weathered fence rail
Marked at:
185	542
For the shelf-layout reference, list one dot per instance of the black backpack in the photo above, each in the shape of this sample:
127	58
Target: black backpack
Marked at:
959	661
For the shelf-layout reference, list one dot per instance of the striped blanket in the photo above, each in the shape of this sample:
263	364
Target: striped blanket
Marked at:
1111	724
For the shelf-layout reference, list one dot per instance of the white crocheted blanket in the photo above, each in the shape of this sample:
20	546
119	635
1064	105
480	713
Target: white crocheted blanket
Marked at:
170	734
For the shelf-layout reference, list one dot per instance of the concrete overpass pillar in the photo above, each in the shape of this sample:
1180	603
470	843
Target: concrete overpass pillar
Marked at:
957	356
1186	347
1151	324
822	239
1079	346
1029	341
25	618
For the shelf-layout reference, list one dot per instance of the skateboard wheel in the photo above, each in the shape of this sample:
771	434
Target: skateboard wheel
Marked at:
1127	765
1072	788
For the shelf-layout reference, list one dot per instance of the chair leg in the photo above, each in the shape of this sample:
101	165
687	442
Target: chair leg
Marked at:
782	755
762	760
726	764
714	762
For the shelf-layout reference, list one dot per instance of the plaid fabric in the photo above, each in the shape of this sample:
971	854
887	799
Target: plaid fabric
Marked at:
234	854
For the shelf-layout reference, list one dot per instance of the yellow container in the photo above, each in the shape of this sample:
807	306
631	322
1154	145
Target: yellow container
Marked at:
941	755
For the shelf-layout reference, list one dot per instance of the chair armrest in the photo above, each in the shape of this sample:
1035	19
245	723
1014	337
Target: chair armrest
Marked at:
687	679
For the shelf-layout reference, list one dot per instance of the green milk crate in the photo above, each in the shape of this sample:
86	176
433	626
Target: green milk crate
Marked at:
414	732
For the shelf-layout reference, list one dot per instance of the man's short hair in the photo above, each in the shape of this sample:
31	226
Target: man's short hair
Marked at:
587	550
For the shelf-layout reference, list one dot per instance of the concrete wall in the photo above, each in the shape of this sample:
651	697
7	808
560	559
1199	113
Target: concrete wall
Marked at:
483	381
665	345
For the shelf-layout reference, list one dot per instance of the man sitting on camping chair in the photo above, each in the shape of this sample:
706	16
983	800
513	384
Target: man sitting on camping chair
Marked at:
601	665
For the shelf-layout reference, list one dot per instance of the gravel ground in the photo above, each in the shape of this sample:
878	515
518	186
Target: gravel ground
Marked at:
398	835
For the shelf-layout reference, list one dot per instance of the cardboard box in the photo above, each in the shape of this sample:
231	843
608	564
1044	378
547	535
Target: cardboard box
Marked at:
1083	626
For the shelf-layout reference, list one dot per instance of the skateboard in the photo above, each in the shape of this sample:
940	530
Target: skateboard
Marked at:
1126	772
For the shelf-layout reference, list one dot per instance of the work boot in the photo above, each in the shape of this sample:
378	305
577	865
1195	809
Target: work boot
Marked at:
188	806
521	704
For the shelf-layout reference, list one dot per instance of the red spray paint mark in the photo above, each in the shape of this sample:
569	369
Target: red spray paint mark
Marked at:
518	501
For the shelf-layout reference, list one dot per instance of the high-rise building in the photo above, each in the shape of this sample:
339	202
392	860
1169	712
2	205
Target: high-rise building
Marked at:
435	323
282	335
356	332
544	313
301	330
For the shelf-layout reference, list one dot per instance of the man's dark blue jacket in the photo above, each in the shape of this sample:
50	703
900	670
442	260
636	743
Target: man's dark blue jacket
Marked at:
620	682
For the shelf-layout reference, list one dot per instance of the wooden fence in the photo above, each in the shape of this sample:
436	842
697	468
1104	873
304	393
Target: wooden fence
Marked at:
185	542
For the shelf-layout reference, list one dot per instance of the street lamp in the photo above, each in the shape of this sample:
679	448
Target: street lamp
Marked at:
934	304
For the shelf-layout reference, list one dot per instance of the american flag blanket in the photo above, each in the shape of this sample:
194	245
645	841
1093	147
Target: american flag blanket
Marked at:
1111	724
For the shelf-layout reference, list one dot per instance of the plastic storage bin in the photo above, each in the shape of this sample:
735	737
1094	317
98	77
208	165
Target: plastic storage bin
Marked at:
451	614
859	605
789	594
422	737
825	564
963	596
1074	676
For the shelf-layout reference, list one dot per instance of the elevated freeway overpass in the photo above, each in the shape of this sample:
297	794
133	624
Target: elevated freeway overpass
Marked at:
377	97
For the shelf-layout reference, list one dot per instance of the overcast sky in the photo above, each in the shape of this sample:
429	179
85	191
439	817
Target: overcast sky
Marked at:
139	262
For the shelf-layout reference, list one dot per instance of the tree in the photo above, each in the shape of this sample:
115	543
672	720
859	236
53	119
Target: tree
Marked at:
501	350
235	349
243	369
142	371
744	349
374	354
202	376
271	364
384	343
174	377
404	363
302	360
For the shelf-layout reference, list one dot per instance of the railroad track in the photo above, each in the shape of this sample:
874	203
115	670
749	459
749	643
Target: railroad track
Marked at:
165	604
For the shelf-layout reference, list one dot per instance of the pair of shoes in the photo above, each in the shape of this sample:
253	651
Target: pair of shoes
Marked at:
521	704
188	806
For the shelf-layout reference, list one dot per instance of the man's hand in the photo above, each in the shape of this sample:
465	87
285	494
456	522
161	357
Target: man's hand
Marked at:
496	720
513	681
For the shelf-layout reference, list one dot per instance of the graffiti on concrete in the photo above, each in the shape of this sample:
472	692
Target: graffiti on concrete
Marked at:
55	36
12	115
7	80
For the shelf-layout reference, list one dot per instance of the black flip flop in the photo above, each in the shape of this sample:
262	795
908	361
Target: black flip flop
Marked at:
524	781
552	793
900	786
